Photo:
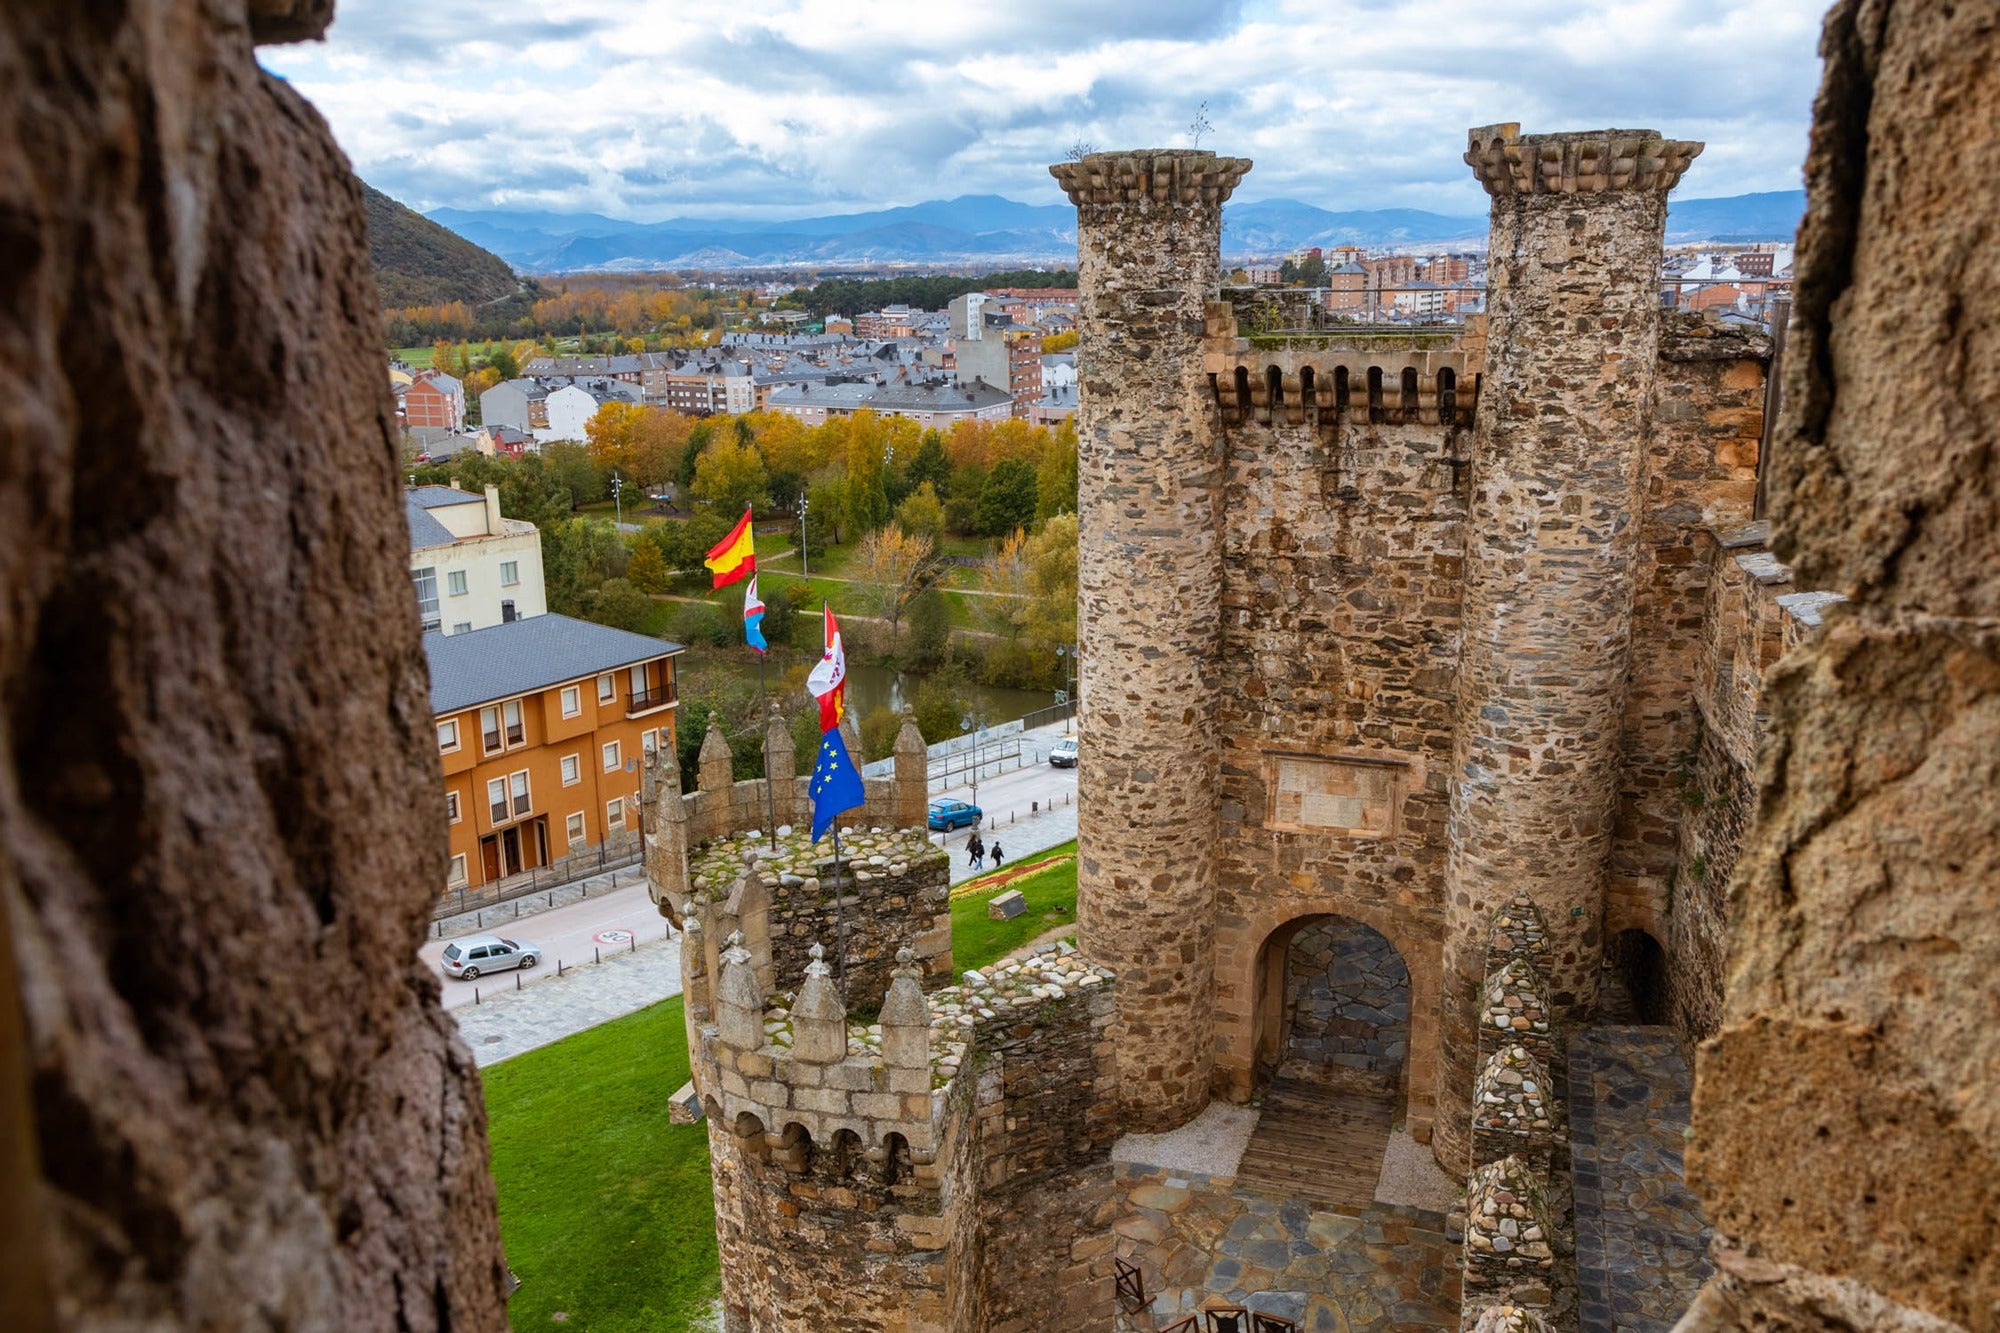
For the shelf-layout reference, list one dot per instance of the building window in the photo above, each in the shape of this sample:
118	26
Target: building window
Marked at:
496	799
457	869
572	700
572	769
448	735
489	729
611	756
507	615
427	595
614	814
648	741
520	782
607	688
510	713
451	807
510	573
575	828
455	582
461	627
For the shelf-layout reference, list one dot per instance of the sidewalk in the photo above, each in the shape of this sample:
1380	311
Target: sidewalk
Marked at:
553	1007
534	904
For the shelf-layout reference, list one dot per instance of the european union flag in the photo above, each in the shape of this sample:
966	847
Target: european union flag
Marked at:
836	783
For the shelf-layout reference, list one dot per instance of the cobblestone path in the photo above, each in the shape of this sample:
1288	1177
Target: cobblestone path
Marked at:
1642	1243
1199	1238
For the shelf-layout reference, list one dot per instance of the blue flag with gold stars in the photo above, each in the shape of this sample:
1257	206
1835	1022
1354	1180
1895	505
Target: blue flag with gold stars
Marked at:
836	783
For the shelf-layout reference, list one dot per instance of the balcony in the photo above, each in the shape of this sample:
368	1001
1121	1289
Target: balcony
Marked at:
650	701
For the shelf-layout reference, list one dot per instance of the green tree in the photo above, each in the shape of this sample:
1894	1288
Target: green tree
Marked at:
930	630
501	360
697	441
578	555
648	567
878	734
867	497
566	466
1056	473
940	707
618	604
1007	500
922	515
931	464
826	512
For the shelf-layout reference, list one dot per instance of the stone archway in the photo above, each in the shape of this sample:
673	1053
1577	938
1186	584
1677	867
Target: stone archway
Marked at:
1346	1014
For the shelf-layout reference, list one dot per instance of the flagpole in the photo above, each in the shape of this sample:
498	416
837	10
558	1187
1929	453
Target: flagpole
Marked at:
770	792
840	917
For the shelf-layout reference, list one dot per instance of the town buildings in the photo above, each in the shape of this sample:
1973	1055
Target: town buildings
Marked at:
433	399
472	567
934	404
991	348
543	726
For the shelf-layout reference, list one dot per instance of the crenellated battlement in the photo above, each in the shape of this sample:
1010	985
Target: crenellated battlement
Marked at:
1587	162
1181	176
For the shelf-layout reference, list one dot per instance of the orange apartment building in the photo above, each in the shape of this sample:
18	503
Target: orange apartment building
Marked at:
543	726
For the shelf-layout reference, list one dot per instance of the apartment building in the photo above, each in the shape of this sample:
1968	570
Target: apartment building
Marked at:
472	567
434	400
543	728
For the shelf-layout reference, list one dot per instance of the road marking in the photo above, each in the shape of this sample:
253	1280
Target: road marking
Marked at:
613	937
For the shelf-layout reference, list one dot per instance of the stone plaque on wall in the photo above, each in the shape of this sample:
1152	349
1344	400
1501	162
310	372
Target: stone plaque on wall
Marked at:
1352	796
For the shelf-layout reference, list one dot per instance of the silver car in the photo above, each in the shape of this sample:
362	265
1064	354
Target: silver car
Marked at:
467	958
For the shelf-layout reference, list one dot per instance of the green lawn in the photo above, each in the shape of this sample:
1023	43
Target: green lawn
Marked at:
605	1208
977	940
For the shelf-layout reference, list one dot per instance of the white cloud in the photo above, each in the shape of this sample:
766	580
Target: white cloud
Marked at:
648	108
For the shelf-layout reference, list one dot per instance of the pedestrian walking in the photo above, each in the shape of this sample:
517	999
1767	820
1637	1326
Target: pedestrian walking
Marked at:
975	851
996	855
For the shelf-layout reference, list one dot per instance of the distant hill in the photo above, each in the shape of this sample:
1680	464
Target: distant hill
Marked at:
418	262
987	230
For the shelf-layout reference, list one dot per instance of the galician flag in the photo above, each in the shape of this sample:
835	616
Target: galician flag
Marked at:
828	681
836	784
735	555
753	616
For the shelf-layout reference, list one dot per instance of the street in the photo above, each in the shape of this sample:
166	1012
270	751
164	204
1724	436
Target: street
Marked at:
574	934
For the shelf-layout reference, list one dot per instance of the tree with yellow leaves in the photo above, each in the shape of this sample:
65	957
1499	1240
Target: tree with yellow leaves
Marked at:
891	567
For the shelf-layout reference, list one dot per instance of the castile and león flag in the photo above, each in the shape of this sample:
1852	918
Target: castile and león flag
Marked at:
836	784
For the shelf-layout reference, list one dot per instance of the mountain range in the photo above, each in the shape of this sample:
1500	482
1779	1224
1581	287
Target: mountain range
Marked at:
988	229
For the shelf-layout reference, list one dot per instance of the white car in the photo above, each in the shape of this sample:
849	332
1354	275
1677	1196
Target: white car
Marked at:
466	959
1063	753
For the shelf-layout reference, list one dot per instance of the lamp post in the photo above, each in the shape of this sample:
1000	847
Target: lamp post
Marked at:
973	723
618	500
805	565
1066	654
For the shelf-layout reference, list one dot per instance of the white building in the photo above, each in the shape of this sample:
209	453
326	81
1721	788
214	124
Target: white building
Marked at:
570	411
472	568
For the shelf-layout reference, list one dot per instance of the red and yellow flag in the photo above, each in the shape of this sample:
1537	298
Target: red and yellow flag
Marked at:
735	556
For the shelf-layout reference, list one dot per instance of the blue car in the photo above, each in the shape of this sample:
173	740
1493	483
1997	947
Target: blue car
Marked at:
948	815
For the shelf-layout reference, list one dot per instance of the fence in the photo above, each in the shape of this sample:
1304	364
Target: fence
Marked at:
541	879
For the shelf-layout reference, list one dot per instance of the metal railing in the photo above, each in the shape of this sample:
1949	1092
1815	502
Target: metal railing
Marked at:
540	879
644	701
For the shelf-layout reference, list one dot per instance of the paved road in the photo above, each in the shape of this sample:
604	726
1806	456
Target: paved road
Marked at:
604	924
1011	802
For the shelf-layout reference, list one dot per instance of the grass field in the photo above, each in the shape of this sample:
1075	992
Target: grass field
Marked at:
976	940
605	1207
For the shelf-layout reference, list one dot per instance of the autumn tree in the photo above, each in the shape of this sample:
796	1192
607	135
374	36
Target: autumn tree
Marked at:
1056	472
867	481
648	568
643	443
730	475
891	567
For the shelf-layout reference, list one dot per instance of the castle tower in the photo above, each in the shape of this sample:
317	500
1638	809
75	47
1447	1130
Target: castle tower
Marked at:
1149	227
1573	341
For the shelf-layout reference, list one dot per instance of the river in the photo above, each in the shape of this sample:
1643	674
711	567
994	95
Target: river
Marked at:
872	687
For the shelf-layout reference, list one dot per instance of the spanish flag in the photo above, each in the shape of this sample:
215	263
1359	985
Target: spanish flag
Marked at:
735	555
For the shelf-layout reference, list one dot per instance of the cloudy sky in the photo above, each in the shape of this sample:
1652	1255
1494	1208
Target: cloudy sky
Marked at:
773	108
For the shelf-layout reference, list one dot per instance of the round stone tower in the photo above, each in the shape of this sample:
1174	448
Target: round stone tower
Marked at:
1149	228
1573	340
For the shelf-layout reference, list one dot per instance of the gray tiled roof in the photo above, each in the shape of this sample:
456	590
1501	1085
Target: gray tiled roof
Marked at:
527	655
425	531
433	497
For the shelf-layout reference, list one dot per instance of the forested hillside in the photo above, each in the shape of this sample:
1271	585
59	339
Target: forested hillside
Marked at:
417	262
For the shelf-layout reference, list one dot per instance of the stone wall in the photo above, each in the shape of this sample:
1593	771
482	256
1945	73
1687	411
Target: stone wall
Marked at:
1551	552
1706	421
1846	1115
1149	617
893	892
1343	546
230	1095
1347	1003
943	1168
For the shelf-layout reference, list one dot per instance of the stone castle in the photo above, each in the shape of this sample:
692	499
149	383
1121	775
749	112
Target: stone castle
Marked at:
1421	681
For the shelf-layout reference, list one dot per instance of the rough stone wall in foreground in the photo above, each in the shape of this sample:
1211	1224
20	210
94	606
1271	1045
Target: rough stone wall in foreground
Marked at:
1551	548
1149	230
218	809
1847	1117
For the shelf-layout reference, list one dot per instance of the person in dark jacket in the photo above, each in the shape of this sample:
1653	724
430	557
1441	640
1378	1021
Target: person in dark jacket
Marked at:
975	851
996	855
